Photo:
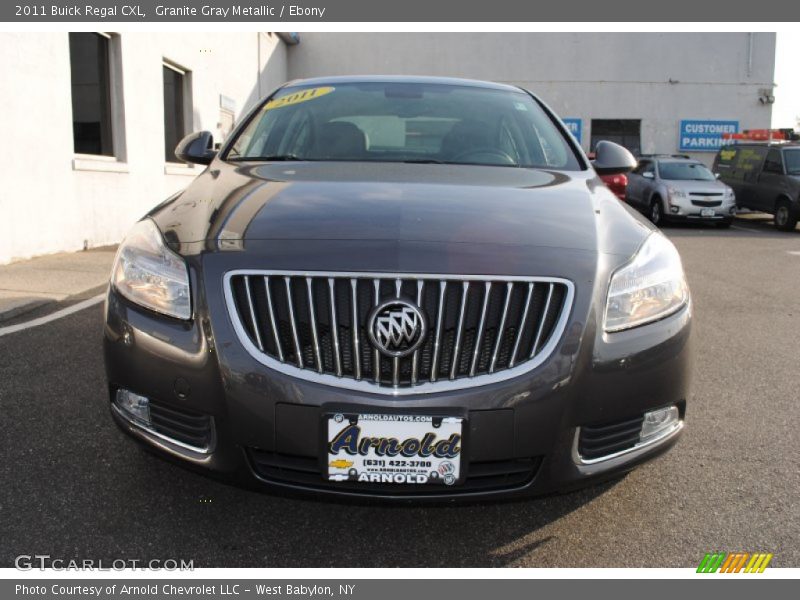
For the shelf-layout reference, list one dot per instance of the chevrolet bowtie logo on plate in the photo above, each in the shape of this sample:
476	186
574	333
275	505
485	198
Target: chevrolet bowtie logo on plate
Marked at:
397	327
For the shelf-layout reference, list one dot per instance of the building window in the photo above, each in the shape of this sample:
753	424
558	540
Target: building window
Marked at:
91	93
625	132
177	105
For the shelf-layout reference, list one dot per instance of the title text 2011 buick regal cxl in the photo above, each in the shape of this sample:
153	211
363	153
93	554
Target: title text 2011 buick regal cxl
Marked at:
407	288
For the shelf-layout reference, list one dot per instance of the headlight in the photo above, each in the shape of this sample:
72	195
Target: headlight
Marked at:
676	193
650	287
729	193
150	274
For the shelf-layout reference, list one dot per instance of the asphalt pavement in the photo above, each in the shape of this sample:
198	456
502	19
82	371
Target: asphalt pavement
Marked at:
74	487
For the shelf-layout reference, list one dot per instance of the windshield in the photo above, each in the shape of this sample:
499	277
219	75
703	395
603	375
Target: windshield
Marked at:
792	160
685	171
405	122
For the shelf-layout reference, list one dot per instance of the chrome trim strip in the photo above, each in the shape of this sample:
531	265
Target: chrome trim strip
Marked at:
337	359
459	330
438	338
479	334
312	312
422	388
415	356
290	302
502	327
641	446
150	431
272	321
253	321
540	329
512	361
355	327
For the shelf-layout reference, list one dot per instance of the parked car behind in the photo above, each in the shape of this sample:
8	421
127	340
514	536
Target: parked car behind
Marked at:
765	177
678	188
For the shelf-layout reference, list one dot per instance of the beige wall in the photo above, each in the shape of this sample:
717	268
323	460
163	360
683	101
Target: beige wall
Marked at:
52	202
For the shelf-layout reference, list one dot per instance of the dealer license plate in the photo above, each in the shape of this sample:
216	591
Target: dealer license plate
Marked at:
707	212
394	449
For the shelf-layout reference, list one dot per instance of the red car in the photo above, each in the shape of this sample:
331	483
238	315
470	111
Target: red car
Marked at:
617	183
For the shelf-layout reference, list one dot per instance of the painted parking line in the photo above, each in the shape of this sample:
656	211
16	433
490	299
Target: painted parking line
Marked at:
64	312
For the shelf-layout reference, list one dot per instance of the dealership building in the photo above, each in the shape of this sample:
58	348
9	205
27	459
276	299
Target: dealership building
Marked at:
91	119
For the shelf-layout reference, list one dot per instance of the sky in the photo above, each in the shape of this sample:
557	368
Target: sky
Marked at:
786	110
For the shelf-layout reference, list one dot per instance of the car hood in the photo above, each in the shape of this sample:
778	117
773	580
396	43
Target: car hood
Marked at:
697	187
245	205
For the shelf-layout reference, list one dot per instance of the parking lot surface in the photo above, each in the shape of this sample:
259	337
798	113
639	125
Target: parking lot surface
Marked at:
74	487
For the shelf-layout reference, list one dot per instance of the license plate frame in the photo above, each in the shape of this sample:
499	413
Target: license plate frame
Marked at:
394	471
707	212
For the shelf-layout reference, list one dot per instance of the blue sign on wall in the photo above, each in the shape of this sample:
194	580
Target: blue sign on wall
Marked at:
574	126
705	136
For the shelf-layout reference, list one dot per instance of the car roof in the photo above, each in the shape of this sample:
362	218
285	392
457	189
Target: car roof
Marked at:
455	81
679	160
775	144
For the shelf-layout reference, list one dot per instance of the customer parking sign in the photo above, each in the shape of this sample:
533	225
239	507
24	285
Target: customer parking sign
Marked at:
705	136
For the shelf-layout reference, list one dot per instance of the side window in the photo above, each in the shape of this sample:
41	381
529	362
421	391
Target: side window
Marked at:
642	166
650	169
96	95
177	107
725	159
773	163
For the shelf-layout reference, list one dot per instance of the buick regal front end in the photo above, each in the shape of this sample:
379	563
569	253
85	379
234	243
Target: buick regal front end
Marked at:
404	288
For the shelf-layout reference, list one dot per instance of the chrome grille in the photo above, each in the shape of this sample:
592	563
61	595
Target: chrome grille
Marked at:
480	329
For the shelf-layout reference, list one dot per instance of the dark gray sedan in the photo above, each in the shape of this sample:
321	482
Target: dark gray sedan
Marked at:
408	288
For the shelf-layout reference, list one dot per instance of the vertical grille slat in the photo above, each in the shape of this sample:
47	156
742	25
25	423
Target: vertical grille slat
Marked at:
521	328
459	330
501	328
252	309
437	341
314	325
376	360
479	336
272	322
337	354
356	327
313	318
293	322
415	356
542	320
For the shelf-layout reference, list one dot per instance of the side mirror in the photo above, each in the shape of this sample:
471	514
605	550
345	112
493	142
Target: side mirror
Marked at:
196	148
717	175
612	158
648	175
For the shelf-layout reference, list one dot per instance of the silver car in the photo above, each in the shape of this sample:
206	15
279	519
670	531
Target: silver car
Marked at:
677	188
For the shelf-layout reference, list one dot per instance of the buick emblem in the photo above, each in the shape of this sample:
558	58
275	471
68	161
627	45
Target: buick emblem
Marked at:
396	328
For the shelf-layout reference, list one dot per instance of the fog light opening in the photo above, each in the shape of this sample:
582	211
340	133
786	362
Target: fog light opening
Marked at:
674	209
134	406
659	422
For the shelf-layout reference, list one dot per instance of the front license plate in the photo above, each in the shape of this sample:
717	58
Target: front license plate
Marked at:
394	449
707	212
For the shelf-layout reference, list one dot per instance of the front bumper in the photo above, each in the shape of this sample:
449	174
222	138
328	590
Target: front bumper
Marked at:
523	432
683	209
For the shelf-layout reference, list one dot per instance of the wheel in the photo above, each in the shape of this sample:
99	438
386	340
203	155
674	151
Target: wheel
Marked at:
656	212
785	218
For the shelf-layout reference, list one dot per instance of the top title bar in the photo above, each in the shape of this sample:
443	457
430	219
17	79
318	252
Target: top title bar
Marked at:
149	11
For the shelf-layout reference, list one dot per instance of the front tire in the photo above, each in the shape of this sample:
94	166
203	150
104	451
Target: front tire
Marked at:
656	215
785	218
